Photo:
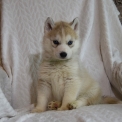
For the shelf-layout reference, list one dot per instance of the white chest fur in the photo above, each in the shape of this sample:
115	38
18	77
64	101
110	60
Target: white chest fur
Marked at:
56	74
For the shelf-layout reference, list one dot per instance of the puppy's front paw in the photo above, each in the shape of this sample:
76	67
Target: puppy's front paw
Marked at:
37	110
72	105
62	108
53	105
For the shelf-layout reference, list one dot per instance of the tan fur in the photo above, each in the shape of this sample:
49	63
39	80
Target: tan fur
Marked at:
58	30
64	80
110	100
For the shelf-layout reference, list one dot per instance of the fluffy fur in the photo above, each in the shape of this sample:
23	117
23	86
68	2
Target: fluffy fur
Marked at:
64	80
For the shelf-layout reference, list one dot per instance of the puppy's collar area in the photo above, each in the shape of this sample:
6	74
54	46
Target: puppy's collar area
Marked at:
56	60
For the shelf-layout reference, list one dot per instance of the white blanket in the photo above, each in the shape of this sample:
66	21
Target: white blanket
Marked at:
101	36
22	32
97	113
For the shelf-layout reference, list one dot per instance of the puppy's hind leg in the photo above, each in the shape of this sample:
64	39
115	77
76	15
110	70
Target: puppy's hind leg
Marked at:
77	103
89	98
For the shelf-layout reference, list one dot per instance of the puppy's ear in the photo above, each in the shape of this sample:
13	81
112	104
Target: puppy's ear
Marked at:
49	24
74	24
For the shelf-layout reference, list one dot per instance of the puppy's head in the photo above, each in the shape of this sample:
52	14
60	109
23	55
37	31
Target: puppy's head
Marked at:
60	39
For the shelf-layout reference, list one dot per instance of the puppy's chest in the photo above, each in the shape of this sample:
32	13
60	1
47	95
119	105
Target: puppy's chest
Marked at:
55	73
57	77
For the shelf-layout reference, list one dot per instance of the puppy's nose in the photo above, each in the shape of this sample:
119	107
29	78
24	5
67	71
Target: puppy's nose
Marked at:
63	54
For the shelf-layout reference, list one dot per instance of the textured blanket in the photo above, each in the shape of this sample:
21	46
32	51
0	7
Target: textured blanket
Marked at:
97	113
22	32
101	53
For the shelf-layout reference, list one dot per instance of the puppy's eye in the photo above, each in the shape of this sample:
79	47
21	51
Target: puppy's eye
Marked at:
70	42
56	42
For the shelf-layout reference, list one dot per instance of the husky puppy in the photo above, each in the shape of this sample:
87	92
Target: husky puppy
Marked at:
63	82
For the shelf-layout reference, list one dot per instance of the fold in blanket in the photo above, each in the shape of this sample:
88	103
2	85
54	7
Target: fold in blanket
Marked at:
111	44
22	32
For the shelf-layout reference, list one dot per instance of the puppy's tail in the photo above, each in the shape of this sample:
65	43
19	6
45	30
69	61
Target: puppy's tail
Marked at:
110	100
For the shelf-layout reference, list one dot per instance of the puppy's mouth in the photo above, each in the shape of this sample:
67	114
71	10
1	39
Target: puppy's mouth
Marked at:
63	59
